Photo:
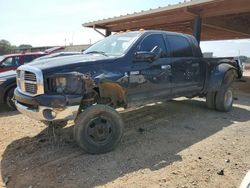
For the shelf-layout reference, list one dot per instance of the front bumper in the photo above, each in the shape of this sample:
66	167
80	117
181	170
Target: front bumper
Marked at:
48	107
43	113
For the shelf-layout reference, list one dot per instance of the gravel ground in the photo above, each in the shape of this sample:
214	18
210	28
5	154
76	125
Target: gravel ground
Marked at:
169	144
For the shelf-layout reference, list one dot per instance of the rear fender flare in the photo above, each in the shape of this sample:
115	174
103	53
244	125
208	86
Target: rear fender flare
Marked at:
218	74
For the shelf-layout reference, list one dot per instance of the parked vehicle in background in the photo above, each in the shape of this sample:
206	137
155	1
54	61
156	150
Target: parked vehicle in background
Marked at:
12	61
8	79
118	72
240	67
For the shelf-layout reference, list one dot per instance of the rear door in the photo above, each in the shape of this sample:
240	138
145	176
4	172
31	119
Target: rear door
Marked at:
186	67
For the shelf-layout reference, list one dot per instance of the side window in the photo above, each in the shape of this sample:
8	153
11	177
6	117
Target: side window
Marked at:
28	58
11	62
151	42
180	46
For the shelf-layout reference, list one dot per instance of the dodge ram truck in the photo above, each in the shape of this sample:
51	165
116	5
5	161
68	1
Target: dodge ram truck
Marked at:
117	72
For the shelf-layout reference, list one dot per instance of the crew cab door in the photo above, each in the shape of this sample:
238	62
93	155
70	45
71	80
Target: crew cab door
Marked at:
150	78
186	67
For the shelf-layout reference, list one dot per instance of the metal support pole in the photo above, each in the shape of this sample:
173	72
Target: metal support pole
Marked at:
197	28
98	31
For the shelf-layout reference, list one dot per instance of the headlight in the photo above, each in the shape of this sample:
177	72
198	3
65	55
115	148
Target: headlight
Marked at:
60	84
65	84
2	80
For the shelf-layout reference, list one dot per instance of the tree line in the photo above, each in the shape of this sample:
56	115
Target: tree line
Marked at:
6	47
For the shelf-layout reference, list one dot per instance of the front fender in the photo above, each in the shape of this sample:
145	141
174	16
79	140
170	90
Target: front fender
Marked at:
217	76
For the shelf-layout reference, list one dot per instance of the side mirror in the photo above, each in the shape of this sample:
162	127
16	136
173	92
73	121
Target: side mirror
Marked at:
1	66
145	56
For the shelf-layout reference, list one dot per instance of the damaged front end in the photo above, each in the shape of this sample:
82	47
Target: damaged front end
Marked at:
62	98
66	94
75	88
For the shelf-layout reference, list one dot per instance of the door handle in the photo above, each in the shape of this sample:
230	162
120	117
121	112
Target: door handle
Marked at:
166	67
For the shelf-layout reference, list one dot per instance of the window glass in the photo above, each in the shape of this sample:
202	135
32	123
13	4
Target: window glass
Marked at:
11	62
114	45
180	46
28	58
154	42
1	58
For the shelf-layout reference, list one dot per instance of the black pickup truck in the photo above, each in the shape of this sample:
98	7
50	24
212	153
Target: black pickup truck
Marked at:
117	72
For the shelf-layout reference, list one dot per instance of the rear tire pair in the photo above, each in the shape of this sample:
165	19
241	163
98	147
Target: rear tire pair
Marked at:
222	100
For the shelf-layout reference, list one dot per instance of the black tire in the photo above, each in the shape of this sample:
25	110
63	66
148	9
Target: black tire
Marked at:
98	129
210	100
240	74
224	99
9	99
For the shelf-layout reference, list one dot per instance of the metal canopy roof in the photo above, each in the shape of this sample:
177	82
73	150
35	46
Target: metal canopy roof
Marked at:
221	19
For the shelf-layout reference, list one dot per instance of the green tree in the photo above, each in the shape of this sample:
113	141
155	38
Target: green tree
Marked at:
5	47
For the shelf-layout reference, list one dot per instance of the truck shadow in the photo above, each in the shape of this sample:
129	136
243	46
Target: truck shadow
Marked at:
6	111
154	137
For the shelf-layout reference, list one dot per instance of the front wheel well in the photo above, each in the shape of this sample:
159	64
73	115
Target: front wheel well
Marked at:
114	92
106	93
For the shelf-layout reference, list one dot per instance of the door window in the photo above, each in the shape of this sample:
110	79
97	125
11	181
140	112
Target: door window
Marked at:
180	46
154	42
11	62
28	58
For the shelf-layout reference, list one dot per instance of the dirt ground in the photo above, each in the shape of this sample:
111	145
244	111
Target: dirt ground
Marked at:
179	143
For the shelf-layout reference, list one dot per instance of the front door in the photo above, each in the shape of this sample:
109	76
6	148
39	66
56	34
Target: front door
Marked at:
150	79
10	63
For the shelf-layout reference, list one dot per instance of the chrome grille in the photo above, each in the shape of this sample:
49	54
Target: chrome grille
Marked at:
30	80
31	88
18	73
30	76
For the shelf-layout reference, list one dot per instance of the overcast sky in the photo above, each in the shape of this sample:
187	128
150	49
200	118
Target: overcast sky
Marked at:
50	22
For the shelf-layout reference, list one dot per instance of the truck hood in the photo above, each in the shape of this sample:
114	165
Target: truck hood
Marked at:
8	74
70	62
